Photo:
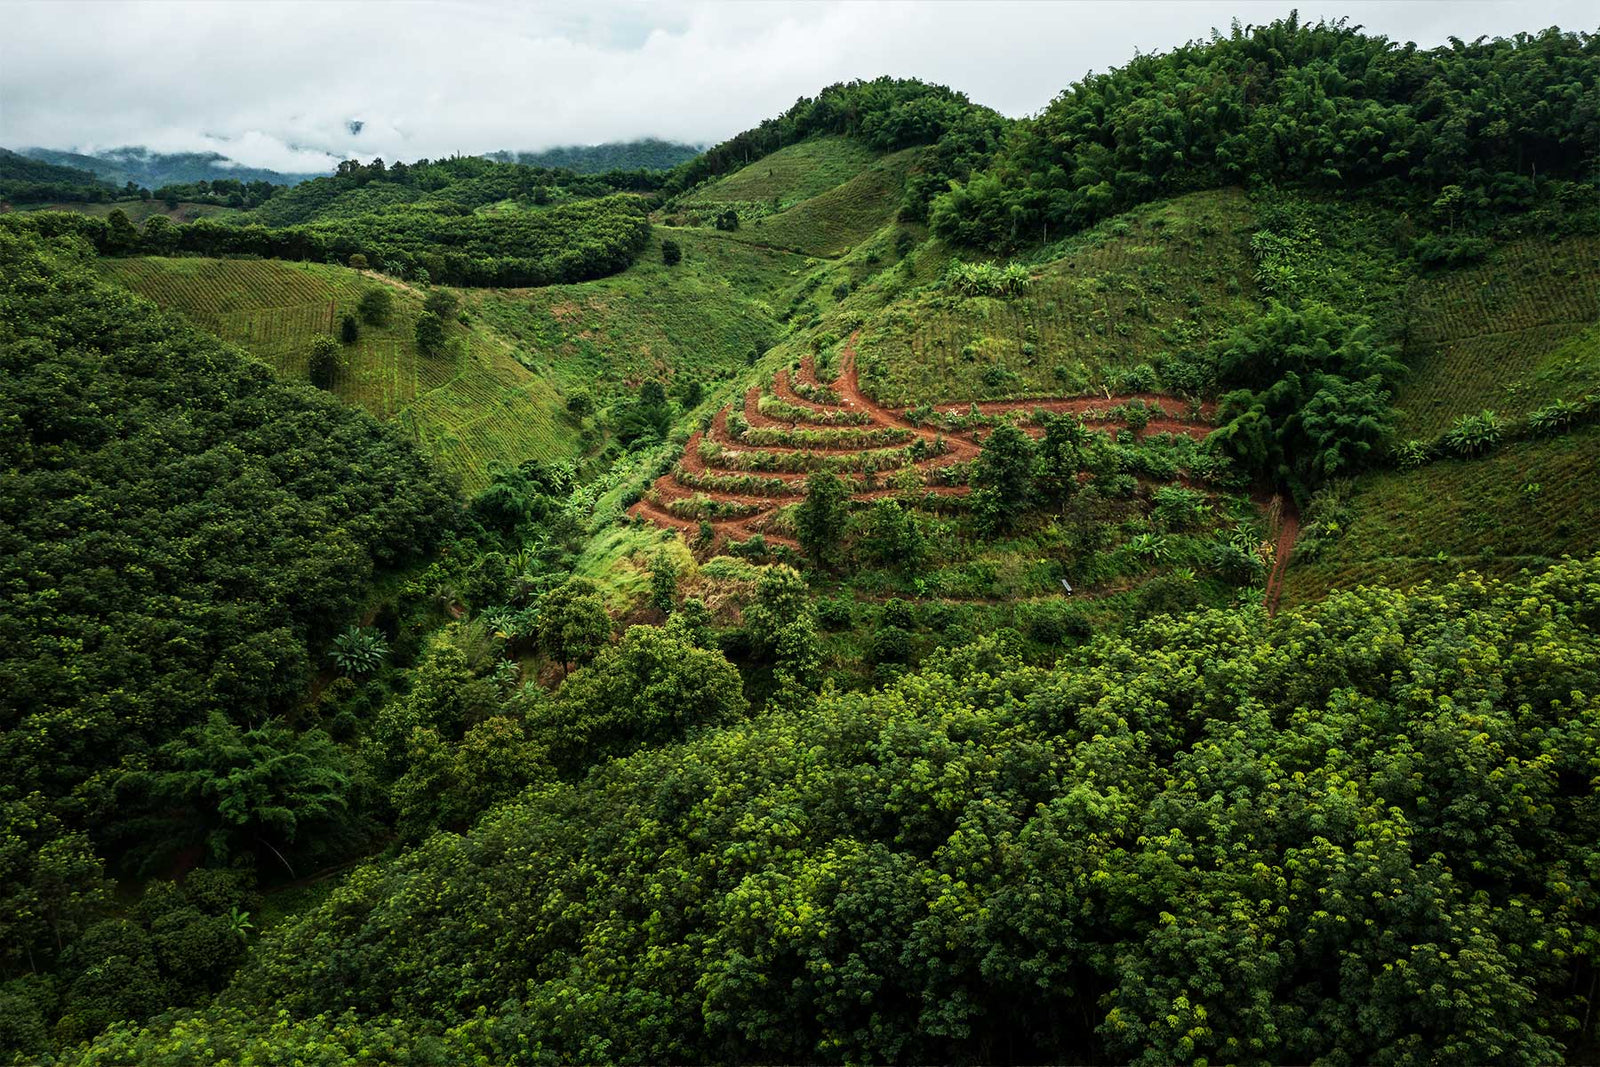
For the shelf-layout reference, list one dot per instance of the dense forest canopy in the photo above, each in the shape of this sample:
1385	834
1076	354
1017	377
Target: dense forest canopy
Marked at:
183	536
1323	104
1214	838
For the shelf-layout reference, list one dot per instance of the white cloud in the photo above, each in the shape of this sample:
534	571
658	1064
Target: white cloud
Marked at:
275	84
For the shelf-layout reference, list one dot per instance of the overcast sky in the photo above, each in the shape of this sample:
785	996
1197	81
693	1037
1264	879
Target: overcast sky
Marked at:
274	84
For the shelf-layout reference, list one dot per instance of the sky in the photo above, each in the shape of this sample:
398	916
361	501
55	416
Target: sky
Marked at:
278	83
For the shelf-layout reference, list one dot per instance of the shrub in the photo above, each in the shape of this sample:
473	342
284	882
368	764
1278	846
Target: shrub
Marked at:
986	279
898	613
1170	594
1473	435
671	253
375	306
891	644
349	329
835	613
324	361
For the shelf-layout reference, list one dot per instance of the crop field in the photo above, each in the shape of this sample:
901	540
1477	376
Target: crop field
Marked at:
1098	317
470	407
1510	334
829	224
699	320
787	176
1522	506
743	475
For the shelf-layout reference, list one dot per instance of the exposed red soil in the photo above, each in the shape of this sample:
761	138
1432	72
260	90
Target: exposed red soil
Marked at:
1288	530
959	447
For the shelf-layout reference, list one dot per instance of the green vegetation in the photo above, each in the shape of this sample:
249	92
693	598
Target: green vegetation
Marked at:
1143	607
1178	830
471	405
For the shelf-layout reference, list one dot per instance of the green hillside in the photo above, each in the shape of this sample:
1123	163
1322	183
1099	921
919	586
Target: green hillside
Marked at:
471	407
904	585
1100	313
781	180
1510	334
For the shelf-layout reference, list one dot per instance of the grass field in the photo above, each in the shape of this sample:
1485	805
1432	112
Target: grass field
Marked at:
1164	278
470	407
1521	506
784	178
698	320
1510	334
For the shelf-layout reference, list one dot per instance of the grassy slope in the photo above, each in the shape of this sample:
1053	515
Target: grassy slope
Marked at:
1163	277
469	410
791	174
1510	334
829	224
697	320
1522	506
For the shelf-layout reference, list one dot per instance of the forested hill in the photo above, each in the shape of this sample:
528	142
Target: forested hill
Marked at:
1323	105
649	153
1115	586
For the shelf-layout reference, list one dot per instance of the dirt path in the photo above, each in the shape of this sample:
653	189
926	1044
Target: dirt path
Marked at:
1288	530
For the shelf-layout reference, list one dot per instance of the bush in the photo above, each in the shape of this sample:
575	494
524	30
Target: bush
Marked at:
892	644
349	329
671	254
986	279
835	613
324	361
375	306
1170	594
898	613
1473	435
1052	622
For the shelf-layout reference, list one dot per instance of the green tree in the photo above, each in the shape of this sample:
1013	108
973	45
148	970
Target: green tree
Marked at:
671	254
573	624
349	329
375	306
663	582
268	784
443	303
430	334
821	518
1002	478
324	362
650	688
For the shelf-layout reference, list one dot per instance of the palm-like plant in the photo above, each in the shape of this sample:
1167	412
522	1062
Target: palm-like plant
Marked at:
359	650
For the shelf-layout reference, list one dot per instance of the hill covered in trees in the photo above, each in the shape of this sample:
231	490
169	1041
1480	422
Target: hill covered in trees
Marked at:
904	584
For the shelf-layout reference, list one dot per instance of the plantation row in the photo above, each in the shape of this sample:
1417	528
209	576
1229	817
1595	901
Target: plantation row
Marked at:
742	474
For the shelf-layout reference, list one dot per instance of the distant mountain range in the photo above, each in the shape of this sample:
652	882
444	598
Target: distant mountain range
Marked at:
154	169
118	166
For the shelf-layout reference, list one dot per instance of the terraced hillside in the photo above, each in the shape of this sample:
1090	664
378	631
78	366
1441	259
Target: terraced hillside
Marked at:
1099	315
1517	331
138	211
472	406
742	473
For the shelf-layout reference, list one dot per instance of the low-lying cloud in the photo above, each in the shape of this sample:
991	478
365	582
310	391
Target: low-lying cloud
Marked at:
282	84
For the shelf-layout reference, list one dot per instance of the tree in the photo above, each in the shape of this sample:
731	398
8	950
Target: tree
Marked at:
122	237
359	650
573	624
890	536
581	404
325	360
1002	478
671	254
727	220
1061	457
375	306
650	688
663	582
441	302
256	784
358	261
349	329
821	518
430	333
